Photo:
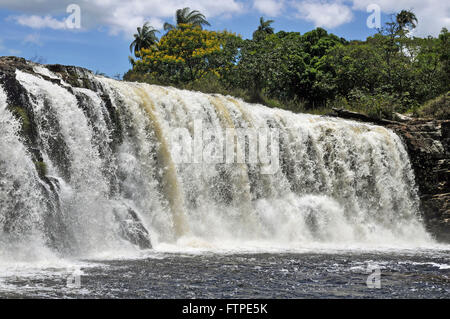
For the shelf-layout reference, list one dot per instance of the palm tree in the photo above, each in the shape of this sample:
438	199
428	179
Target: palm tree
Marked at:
263	30
186	16
406	19
144	38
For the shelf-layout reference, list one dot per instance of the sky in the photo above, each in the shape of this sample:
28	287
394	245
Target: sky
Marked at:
96	34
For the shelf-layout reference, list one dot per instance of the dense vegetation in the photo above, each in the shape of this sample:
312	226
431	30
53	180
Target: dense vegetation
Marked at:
389	72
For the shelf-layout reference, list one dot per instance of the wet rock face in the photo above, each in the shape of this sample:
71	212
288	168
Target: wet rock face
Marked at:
428	143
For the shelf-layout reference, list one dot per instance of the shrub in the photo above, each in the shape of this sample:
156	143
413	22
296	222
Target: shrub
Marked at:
438	108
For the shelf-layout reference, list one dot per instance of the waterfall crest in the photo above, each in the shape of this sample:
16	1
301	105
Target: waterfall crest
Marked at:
105	172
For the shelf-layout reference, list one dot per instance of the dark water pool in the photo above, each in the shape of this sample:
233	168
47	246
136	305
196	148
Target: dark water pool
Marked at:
343	275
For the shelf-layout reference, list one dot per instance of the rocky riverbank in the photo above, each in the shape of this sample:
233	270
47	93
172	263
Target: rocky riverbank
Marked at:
428	143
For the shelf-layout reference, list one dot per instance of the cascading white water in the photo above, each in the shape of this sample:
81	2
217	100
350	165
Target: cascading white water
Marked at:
21	197
111	157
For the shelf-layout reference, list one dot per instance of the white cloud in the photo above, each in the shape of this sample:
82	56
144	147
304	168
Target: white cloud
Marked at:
433	15
324	14
117	15
270	8
120	16
38	22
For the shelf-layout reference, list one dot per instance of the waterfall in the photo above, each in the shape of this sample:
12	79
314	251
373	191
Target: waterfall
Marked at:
116	166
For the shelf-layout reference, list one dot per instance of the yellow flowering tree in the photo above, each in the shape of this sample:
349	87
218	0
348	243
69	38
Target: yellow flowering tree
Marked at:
185	54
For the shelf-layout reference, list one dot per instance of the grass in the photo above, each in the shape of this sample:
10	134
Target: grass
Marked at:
375	105
438	108
41	168
21	114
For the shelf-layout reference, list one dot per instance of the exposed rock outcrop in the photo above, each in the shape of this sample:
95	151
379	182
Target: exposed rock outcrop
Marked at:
428	143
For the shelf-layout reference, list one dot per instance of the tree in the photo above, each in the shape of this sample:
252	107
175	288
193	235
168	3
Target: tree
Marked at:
263	30
389	71
185	54
144	38
356	65
406	19
444	55
390	40
287	66
254	68
185	16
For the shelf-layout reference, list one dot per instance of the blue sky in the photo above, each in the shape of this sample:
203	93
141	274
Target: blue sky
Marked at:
37	28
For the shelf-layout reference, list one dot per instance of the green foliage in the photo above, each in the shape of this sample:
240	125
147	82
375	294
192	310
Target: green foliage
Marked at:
377	106
211	83
389	72
406	19
409	70
187	54
287	66
264	29
444	55
41	168
186	16
21	114
355	65
144	38
438	108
